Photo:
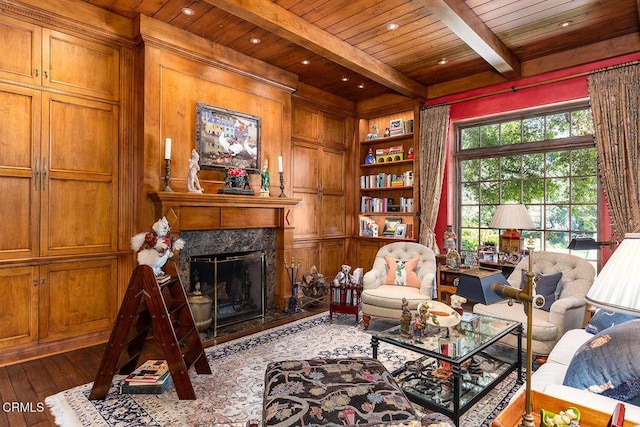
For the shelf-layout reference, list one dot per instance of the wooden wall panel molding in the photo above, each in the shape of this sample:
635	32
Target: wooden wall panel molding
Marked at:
173	84
78	17
158	34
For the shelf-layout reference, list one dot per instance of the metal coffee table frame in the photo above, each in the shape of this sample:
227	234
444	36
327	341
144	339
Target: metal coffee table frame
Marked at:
480	351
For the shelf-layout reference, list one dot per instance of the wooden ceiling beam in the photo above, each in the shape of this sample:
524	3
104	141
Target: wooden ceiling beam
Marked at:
278	20
463	21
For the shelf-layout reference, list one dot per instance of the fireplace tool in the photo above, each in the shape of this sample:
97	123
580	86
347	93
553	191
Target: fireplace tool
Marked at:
292	272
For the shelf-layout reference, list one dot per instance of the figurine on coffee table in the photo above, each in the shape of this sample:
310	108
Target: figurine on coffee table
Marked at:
420	322
405	319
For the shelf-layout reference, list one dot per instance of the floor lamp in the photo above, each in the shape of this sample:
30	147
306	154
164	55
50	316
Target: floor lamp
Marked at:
488	288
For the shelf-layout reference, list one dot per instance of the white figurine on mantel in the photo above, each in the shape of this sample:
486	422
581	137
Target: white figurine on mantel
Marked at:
193	183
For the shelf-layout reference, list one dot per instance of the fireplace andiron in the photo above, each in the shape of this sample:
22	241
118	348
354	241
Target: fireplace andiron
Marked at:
292	272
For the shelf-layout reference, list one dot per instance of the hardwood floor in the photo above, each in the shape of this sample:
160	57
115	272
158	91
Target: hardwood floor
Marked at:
24	386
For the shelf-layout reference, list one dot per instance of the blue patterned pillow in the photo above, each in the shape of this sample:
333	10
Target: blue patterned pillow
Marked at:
547	286
604	319
607	364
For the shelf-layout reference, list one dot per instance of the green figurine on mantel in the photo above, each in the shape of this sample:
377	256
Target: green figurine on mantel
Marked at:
265	180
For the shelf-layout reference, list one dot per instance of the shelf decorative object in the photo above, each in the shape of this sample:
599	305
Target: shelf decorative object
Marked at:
453	259
201	308
236	181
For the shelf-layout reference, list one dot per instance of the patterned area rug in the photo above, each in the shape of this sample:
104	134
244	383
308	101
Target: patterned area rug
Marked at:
233	394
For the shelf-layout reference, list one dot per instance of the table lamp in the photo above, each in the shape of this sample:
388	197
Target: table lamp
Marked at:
617	286
511	217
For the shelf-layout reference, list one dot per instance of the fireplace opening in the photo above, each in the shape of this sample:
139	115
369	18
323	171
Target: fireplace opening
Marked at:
235	282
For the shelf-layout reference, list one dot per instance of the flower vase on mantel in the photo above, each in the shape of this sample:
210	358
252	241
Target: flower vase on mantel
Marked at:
236	181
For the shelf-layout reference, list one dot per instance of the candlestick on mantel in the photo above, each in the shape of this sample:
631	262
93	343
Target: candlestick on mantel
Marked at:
280	167
282	184
167	149
167	164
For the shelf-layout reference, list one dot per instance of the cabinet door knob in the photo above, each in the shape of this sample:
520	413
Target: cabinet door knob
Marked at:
37	72
46	74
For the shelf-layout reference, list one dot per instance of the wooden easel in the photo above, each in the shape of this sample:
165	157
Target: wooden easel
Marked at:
163	307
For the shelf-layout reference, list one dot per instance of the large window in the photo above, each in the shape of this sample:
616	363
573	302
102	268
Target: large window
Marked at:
544	159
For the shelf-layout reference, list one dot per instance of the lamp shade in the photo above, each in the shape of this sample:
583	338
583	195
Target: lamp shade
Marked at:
475	285
617	287
512	216
583	244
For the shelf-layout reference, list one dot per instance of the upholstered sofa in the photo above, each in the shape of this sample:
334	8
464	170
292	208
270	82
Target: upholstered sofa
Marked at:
565	313
382	296
549	377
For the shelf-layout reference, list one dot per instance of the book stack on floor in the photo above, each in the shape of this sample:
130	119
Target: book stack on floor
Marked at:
151	377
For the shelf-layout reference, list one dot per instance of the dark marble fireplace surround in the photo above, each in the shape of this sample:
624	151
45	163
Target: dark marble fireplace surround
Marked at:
215	242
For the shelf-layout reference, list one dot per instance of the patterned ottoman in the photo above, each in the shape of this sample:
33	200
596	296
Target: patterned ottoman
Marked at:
334	392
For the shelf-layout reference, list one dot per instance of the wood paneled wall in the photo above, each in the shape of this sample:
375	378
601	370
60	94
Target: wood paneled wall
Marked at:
174	78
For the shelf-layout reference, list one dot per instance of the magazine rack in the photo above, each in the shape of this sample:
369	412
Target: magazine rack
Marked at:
164	308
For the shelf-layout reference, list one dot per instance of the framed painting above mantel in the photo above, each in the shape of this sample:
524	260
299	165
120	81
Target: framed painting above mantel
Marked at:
227	139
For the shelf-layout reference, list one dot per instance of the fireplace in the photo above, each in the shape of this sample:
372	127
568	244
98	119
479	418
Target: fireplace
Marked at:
235	282
224	224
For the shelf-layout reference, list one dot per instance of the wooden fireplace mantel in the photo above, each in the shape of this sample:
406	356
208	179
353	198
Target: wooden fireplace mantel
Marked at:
194	211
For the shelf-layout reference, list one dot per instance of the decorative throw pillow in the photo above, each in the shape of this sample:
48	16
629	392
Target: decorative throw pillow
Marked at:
545	286
607	364
604	319
401	272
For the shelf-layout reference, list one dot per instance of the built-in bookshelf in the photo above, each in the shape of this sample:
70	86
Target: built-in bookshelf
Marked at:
388	190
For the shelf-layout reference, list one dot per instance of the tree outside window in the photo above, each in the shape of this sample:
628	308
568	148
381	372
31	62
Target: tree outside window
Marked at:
546	160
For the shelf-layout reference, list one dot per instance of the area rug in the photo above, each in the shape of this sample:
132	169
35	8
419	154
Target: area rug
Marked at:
233	394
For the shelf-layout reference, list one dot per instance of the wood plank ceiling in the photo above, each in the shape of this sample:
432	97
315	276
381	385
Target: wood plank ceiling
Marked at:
346	47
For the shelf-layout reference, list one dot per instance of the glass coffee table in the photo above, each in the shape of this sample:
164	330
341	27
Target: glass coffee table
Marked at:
455	367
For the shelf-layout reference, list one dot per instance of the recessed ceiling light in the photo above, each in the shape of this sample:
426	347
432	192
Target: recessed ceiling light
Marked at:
255	40
344	78
361	86
392	26
305	62
188	11
565	24
442	61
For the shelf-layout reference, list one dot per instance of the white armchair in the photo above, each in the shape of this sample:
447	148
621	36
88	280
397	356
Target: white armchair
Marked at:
566	313
382	297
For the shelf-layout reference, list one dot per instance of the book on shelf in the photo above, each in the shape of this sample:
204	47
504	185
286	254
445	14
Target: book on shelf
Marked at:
150	371
397	127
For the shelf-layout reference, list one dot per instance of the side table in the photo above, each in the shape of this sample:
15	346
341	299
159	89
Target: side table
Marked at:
345	299
447	283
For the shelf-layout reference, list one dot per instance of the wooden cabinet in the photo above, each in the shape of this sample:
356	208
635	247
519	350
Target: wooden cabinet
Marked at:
55	174
58	300
76	298
19	315
387	178
60	188
315	125
52	59
319	182
319	170
327	255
